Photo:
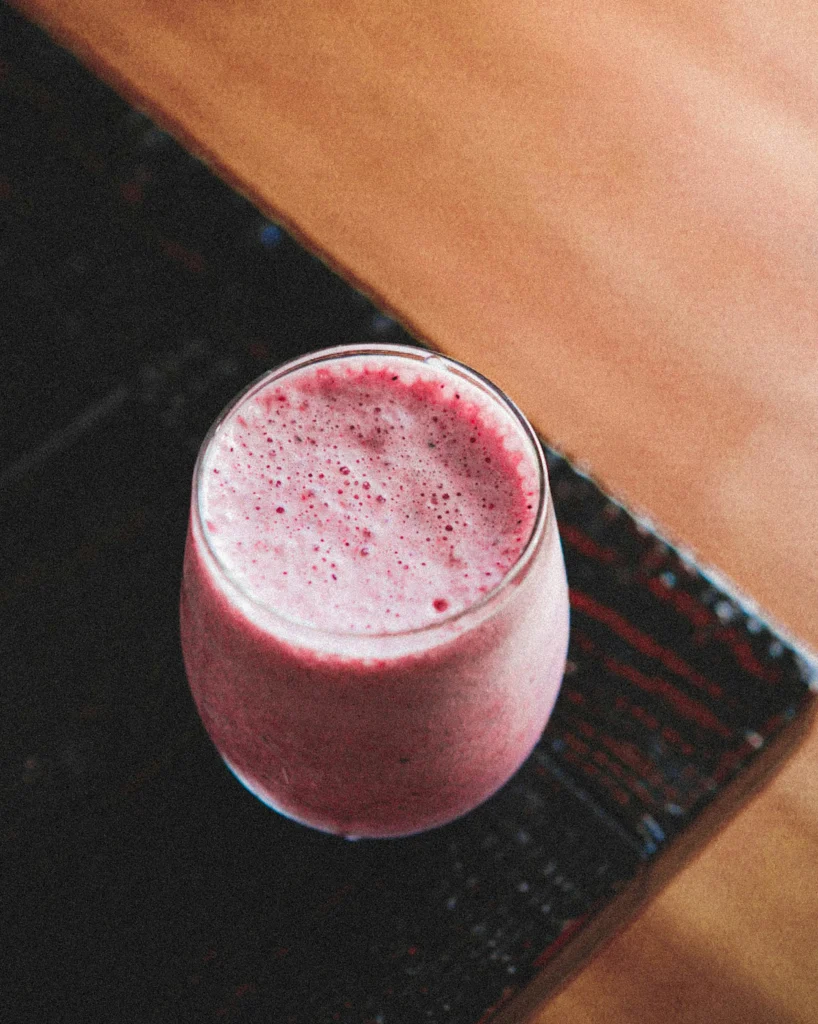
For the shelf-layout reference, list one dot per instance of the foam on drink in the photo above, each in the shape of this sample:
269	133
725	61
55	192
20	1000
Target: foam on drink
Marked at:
369	495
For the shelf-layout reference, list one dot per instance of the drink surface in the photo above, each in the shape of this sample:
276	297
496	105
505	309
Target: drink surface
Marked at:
369	495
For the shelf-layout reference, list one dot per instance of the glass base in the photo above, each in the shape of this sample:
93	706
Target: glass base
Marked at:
261	795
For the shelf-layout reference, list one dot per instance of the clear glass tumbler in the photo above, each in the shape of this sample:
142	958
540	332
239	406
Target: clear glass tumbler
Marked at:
374	608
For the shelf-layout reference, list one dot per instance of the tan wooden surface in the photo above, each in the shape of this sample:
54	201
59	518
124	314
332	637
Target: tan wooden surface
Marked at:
612	210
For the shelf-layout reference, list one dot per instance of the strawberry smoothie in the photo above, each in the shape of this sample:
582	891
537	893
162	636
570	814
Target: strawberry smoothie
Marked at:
374	608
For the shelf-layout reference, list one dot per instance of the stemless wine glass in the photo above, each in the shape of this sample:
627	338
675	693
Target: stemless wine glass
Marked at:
384	733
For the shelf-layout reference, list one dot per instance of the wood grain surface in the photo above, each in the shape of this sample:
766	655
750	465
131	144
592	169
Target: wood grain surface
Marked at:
612	210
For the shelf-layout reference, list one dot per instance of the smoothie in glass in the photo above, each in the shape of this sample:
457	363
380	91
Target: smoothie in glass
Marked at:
374	608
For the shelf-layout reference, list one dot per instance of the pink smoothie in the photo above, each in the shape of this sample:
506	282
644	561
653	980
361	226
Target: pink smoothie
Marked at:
374	608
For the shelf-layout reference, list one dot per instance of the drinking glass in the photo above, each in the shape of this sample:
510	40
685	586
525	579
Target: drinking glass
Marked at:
385	733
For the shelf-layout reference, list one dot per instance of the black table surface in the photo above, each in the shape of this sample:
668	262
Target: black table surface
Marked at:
141	882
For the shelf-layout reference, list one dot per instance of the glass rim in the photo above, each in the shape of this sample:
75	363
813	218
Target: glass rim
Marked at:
542	519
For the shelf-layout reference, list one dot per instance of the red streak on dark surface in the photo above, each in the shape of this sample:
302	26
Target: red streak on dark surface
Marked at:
641	641
672	736
562	939
683	602
593	772
728	761
505	995
629	754
585	545
702	617
746	657
645	717
682	704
